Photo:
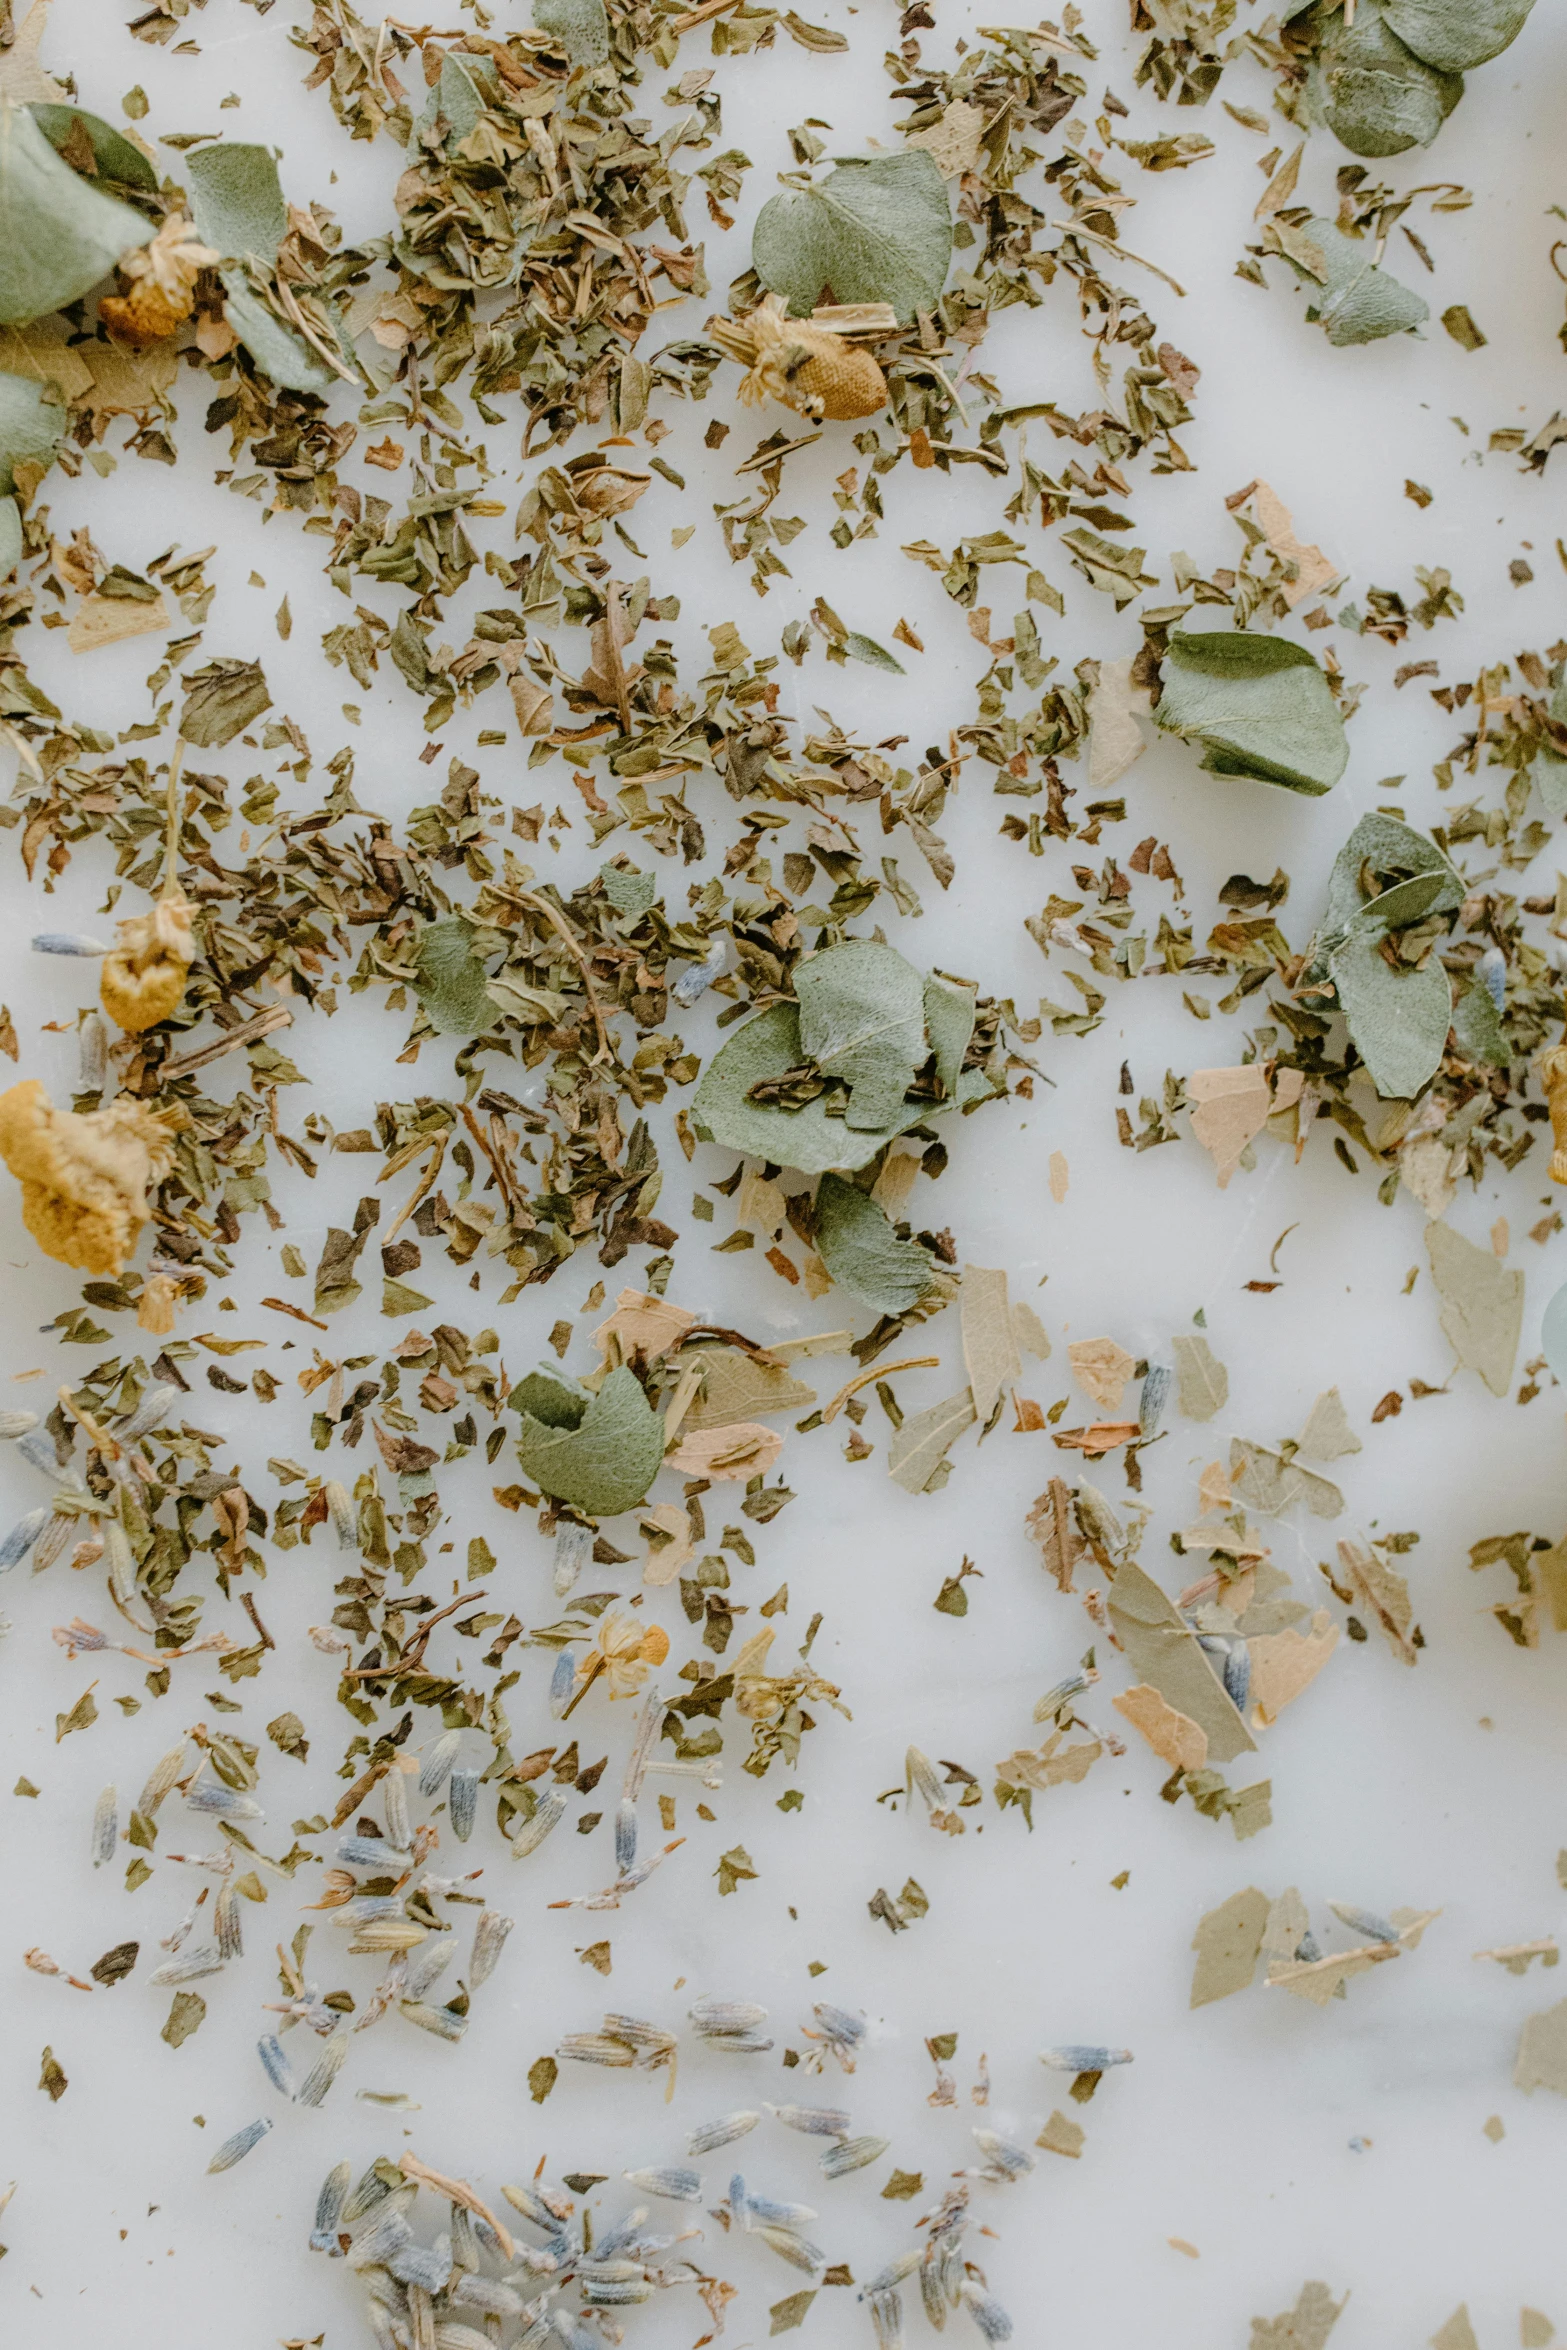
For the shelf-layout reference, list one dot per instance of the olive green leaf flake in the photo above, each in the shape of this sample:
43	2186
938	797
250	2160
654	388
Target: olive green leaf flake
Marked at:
186	2015
1204	1383
579	26
288	1732
903	2186
600	1452
1454	35
336	1286
862	1018
1399	1019
239	209
52	2077
1482	1304
1305	2327
917	1456
542	2073
1359	302
82	1716
1477	1025
221	700
629	892
1373	92
949	1024
863	1253
115	1964
790	2312
877	229
112	153
451	983
1463	329
1228	1942
1259	705
734	1868
58	234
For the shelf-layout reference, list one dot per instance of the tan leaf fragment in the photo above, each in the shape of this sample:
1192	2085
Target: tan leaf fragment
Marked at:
1285	1663
39	353
917	1454
109	620
1535	2330
1317	1979
1228	1942
1458	2333
22	79
1061	2135
1030	1334
1204	1383
1430	1168
1550	1568
1213	1488
762	1205
953	143
1175	1738
1162	1648
738	1386
1101	1369
1054	1527
665	1559
1305	2327
893	1185
727	1455
1230	1107
1270	1483
1516	1956
990	1354
1541	2062
1314	571
1055	1765
1286	1927
1115	740
1327	1435
1383	1595
641	1325
1482	1305
1060	1176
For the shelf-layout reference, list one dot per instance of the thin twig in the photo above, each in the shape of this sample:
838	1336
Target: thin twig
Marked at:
248	1032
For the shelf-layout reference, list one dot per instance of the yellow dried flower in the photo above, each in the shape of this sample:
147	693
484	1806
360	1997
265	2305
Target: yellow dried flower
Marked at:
1552	1070
622	1654
84	1176
162	278
144	976
814	365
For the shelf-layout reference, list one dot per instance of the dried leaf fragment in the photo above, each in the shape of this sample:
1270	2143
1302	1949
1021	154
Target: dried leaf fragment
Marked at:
1102	1369
1230	1107
990	1353
1541	2062
1482	1304
1204	1383
1228	1943
1175	1738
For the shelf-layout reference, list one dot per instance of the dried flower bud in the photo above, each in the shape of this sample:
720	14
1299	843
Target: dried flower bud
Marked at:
162	278
144	976
84	1176
810	366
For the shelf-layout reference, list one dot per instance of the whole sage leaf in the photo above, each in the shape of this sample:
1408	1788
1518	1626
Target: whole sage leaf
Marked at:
1399	1019
862	1018
58	235
114	155
1375	94
863	1253
1360	302
874	230
805	1138
1259	705
451	984
601	1456
1454	35
237	200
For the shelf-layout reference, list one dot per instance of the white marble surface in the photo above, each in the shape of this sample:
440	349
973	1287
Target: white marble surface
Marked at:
1282	2142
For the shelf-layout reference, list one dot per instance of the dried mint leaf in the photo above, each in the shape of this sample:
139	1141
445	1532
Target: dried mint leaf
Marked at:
221	700
862	1251
58	234
451	984
601	1452
1259	705
239	209
876	229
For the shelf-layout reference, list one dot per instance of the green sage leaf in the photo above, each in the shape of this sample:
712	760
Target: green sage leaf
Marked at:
874	230
1399	1019
1260	707
600	1455
581	27
1454	35
862	1018
116	159
31	426
451	984
863	1253
237	200
1477	1025
1359	303
221	700
1375	94
58	235
1414	879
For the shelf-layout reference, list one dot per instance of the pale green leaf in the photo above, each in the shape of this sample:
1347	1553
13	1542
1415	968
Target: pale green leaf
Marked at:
1360	303
1482	1304
862	1251
1259	705
737	1387
1477	1026
58	234
629	892
917	1455
875	656
1204	1381
280	353
806	1138
949	1024
1454	35
877	230
10	536
1399	1019
451	984
114	155
600	1454
581	28
1375	94
862	1018
237	200
31	427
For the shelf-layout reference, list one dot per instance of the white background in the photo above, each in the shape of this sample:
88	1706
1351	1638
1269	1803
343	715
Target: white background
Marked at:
1283	2142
